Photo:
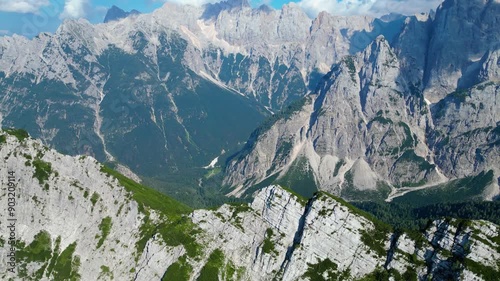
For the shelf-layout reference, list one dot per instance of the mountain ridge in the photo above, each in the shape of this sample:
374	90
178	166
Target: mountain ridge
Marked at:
146	239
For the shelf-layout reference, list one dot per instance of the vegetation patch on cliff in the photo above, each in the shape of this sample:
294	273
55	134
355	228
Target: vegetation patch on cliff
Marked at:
214	264
268	245
38	251
326	270
105	228
455	191
42	170
179	270
20	134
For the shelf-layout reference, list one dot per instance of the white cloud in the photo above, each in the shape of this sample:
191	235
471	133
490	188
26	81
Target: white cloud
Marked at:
75	9
4	32
22	6
368	7
189	2
345	7
406	7
193	2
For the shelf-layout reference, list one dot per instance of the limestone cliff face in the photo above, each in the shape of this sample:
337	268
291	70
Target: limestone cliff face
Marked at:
74	220
462	32
375	127
363	129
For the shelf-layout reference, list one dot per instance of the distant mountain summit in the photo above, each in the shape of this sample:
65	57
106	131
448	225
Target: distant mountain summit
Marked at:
115	13
265	8
213	10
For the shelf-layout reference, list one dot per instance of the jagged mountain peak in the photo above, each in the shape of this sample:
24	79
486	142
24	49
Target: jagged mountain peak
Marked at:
380	44
380	53
265	8
238	3
115	13
68	24
212	11
115	8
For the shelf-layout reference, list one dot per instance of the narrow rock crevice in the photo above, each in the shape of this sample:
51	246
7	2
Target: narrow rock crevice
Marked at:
147	261
459	250
392	248
430	256
297	238
269	200
282	216
257	251
451	267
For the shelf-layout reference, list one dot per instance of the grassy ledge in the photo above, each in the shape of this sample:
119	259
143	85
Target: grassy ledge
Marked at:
174	226
20	134
148	197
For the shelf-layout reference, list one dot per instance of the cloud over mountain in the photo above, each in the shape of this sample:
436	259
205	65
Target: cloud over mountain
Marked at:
188	2
75	9
372	7
22	6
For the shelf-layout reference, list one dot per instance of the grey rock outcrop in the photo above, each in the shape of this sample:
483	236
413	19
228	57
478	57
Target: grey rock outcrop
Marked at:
463	31
64	204
76	221
365	116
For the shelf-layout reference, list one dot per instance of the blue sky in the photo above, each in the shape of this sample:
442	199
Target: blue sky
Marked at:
30	17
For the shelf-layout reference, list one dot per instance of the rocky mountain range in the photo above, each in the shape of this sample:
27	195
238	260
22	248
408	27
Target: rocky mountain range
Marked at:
371	107
167	81
286	115
420	112
76	219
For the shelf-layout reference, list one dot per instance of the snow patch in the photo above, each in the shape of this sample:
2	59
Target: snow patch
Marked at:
269	109
212	164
